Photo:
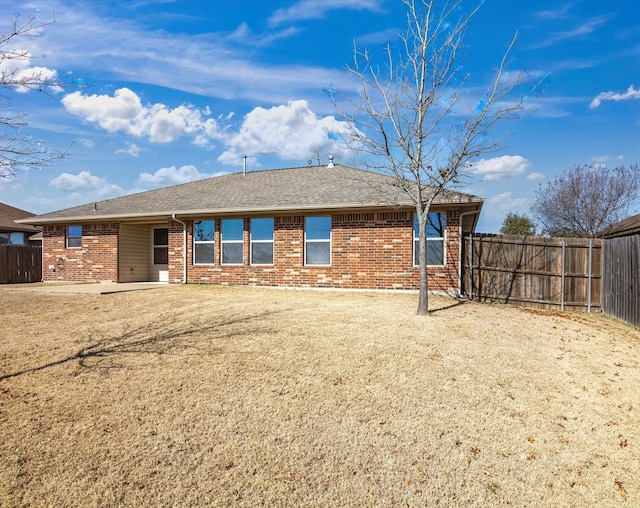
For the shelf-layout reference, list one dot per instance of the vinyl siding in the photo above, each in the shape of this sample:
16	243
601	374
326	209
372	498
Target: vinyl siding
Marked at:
135	253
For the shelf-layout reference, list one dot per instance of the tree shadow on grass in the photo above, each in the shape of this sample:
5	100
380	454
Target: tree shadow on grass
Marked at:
450	305
146	340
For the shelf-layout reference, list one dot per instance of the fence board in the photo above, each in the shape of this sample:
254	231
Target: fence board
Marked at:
20	263
541	272
620	278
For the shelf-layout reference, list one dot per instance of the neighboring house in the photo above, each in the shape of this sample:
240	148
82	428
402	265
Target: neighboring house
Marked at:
12	233
324	226
627	227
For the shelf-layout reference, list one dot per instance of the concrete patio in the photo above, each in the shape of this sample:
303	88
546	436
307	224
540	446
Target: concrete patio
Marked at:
100	288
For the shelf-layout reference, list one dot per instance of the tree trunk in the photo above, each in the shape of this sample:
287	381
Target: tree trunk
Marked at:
423	299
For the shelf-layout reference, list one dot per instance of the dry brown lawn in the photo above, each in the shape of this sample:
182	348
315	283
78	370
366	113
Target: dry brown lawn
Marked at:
222	396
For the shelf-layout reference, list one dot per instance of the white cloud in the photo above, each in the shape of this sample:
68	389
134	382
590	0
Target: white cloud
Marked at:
215	64
505	203
313	9
535	176
86	184
17	69
132	149
602	160
172	176
501	168
289	132
584	29
630	94
124	112
554	14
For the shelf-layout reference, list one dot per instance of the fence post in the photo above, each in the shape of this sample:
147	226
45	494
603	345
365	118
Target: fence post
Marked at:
590	276
562	275
470	266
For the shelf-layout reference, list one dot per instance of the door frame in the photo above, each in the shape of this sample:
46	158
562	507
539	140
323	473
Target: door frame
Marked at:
158	272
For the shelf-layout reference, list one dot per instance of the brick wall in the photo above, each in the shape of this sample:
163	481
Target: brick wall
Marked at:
96	261
370	250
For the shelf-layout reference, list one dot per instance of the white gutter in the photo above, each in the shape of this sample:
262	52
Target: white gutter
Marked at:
460	243
184	247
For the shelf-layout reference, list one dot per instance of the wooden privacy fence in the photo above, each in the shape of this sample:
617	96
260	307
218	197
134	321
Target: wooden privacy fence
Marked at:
620	284
20	263
556	273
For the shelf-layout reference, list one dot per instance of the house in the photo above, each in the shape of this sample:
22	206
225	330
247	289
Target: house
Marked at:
12	233
324	226
627	227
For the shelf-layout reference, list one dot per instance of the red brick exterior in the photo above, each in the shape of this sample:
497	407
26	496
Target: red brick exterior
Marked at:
96	261
369	250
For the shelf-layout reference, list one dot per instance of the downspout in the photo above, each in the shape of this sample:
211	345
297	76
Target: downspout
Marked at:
184	247
460	242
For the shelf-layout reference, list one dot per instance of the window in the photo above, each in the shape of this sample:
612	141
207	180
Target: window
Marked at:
160	246
203	242
13	238
317	241
261	241
74	237
435	239
232	241
16	238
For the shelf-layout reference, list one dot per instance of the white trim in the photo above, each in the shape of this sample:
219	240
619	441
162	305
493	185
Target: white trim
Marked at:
321	240
223	242
159	271
252	241
203	242
442	239
67	236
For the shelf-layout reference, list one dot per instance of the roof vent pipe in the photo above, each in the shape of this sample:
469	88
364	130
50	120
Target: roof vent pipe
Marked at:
330	165
244	164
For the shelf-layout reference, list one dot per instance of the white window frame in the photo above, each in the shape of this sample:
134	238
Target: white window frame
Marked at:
159	247
416	241
252	241
204	242
224	242
69	236
307	241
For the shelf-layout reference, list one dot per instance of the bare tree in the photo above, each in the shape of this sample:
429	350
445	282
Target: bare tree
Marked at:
586	199
18	150
410	119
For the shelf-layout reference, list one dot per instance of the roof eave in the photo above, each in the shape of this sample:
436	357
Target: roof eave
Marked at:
166	214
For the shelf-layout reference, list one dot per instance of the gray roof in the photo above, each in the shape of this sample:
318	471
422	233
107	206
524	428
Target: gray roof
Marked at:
305	189
10	214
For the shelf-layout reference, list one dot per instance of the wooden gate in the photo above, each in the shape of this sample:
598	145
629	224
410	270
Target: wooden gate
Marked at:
20	263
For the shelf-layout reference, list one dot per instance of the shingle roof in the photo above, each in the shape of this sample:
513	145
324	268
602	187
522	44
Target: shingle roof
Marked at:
268	191
627	227
9	215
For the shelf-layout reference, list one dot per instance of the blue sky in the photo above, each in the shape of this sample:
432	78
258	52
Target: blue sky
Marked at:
176	90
